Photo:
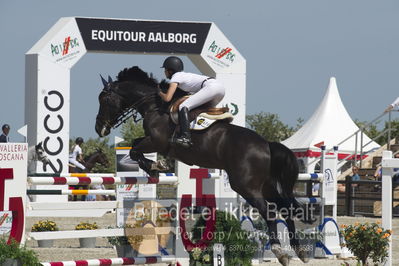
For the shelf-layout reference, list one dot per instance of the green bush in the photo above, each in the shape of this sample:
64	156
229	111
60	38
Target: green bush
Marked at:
239	250
118	240
367	240
15	251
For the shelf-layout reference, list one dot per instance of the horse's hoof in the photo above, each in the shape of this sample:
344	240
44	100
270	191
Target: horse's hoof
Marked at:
302	255
153	174
282	256
160	165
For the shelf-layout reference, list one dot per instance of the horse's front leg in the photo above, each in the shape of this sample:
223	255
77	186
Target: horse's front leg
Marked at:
145	145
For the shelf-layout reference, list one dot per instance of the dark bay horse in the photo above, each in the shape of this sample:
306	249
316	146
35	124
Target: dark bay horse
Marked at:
262	172
90	161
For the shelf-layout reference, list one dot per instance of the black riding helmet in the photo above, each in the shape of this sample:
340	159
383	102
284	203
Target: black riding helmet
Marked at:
79	140
173	63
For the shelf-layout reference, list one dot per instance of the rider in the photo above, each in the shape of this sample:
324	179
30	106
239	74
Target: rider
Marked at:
205	90
76	155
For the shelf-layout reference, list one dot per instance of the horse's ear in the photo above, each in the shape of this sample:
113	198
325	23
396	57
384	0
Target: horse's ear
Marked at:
105	83
39	145
110	79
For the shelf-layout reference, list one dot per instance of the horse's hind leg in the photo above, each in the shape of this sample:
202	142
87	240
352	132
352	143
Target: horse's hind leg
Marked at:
268	213
288	210
300	251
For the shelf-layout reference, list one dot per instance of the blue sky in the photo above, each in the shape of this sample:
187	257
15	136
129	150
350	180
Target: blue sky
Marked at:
292	48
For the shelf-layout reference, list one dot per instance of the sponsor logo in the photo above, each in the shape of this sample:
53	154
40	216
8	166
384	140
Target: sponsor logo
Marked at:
3	218
66	50
233	108
129	187
223	56
329	177
200	121
50	141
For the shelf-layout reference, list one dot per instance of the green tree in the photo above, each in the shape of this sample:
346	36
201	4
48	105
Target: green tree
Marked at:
394	129
270	127
130	131
372	131
239	244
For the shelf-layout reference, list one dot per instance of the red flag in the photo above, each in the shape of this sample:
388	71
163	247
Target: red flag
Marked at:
318	145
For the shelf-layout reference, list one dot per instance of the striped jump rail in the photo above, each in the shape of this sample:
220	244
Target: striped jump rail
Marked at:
69	192
114	261
312	176
73	174
164	178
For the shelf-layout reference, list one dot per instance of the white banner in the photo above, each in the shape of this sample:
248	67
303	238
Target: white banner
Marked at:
13	182
126	167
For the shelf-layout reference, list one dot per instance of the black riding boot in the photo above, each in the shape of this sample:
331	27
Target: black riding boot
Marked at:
185	138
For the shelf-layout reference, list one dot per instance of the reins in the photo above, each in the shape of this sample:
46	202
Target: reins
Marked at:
131	111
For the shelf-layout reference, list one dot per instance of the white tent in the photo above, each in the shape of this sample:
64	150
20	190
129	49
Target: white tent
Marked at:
329	125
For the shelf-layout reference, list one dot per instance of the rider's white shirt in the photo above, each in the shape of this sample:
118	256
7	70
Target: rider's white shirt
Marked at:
188	82
395	103
76	151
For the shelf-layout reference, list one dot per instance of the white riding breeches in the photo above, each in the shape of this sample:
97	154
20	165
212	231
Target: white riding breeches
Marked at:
212	92
76	163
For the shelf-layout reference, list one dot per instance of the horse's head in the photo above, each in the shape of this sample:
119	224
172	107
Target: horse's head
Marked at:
41	154
102	158
132	90
110	108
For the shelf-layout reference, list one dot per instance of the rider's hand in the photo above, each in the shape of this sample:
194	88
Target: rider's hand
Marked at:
389	108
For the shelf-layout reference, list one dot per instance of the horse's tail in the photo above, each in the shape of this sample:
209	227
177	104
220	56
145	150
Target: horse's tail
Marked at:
284	173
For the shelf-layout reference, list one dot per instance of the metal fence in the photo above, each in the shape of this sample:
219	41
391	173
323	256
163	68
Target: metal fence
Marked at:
363	198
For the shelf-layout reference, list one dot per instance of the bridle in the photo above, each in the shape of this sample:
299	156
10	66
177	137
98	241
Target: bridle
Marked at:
130	111
41	155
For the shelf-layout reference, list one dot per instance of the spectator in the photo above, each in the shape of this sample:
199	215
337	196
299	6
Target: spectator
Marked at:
4	137
355	173
354	177
378	171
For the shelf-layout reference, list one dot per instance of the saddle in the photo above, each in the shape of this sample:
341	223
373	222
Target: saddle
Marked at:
200	114
74	169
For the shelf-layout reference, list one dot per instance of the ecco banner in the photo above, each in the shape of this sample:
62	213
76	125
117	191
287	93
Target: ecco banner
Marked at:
143	36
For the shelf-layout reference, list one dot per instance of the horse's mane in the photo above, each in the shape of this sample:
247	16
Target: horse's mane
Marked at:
137	75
